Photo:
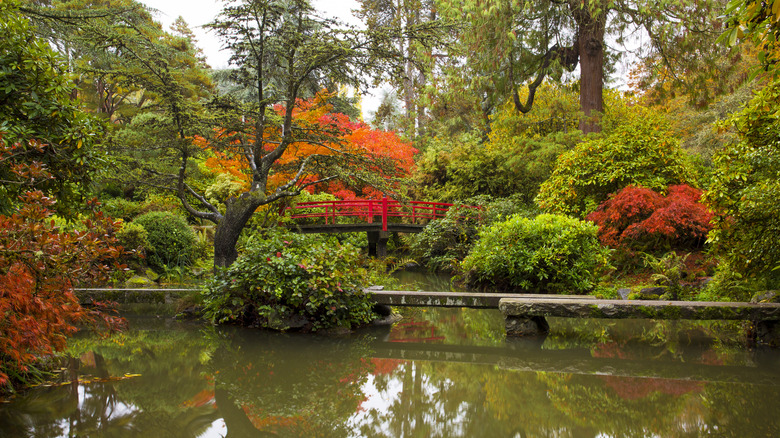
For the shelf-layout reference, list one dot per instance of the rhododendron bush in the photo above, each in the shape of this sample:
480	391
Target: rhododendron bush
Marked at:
642	219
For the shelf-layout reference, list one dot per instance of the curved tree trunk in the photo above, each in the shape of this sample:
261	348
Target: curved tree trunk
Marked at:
237	214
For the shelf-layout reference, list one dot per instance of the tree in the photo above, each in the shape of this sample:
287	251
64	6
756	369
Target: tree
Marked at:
278	48
44	151
758	21
514	43
638	151
410	75
38	117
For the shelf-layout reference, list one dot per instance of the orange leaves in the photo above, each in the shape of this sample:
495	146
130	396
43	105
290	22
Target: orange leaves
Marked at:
319	132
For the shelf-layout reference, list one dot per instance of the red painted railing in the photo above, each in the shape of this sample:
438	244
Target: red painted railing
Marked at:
412	212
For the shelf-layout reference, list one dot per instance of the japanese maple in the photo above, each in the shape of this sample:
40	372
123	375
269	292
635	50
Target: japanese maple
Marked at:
39	266
332	133
640	218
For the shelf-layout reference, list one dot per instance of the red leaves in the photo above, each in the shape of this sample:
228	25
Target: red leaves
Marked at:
39	264
639	218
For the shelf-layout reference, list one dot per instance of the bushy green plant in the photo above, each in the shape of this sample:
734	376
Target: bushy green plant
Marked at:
551	253
171	239
282	276
122	208
745	191
444	243
669	271
508	165
639	152
133	237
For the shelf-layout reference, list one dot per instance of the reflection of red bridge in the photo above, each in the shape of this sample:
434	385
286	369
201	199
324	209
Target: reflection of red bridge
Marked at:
378	218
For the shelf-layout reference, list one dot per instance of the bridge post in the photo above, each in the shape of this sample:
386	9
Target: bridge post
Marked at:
377	243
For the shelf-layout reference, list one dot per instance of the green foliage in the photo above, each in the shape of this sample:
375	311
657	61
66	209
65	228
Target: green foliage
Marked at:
745	191
454	169
284	275
133	237
122	208
171	239
668	271
639	151
444	243
550	253
38	116
758	21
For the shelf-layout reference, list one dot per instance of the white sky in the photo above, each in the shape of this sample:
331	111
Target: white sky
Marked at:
199	12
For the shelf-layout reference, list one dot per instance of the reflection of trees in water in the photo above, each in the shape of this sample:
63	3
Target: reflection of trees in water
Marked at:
289	385
460	400
155	404
364	384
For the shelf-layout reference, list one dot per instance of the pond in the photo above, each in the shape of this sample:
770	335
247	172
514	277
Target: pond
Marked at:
436	373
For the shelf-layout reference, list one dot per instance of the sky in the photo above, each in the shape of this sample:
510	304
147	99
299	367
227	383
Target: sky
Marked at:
199	12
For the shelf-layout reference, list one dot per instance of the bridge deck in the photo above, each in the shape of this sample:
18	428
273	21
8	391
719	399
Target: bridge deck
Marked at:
356	228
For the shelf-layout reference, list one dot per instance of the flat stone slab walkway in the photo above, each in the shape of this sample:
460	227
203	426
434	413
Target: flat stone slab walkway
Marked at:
526	316
475	300
697	310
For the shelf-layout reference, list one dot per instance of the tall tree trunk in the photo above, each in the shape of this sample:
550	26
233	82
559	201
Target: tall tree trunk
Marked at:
591	48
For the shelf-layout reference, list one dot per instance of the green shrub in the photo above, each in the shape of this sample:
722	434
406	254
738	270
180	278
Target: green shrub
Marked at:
286	275
639	152
171	239
550	253
133	236
460	168
444	243
120	208
745	191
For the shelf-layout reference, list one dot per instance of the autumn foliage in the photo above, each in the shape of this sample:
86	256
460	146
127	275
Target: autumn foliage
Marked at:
328	134
641	219
39	266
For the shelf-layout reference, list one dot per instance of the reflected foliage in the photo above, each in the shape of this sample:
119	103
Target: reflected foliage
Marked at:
438	373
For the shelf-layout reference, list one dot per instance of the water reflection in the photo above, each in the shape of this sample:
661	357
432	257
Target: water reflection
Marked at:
438	373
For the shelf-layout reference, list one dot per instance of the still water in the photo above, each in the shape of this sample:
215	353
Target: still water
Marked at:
436	373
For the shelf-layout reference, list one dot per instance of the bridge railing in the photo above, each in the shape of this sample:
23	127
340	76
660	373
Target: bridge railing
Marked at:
414	212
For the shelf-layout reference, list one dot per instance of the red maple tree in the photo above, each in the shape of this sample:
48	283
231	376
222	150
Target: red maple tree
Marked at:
39	266
639	218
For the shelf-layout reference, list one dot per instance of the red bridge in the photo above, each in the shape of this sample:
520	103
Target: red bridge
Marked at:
378	218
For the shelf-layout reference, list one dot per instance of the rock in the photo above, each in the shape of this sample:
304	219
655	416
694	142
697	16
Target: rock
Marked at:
387	320
526	326
137	281
656	291
624	293
767	296
150	274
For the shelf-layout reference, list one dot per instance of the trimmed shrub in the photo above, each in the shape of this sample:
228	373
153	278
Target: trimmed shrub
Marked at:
638	218
551	253
171	239
285	276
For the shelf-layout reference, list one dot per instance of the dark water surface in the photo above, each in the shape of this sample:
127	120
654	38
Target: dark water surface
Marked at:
437	373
